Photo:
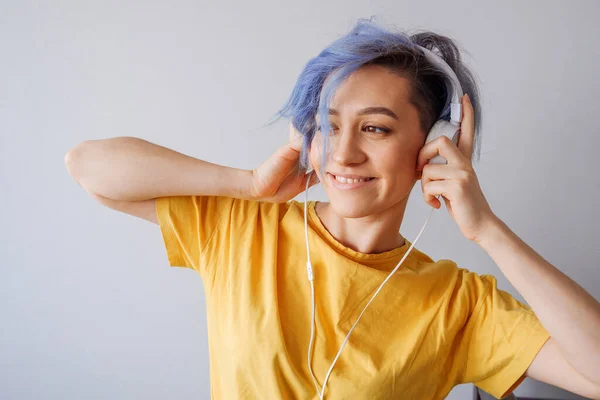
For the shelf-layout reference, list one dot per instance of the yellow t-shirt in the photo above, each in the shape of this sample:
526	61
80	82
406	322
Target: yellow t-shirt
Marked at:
432	326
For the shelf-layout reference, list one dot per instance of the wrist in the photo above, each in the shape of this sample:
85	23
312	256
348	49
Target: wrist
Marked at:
490	229
239	184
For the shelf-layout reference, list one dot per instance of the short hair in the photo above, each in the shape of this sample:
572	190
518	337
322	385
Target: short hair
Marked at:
369	44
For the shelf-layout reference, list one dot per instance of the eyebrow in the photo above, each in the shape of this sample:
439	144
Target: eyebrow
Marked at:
370	110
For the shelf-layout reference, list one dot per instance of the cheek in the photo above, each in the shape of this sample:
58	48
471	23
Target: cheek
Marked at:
397	162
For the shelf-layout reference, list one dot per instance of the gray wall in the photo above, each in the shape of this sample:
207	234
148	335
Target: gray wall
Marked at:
89	307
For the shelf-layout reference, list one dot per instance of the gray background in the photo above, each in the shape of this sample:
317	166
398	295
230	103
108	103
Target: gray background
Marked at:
88	305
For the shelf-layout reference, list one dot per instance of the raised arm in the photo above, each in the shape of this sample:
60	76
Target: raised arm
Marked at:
127	173
133	169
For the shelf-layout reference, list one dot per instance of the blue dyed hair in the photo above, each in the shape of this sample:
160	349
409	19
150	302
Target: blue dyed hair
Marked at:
369	44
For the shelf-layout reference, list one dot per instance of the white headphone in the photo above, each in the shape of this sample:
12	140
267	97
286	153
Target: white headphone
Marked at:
450	129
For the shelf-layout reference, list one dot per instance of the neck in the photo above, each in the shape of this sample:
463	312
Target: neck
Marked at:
371	234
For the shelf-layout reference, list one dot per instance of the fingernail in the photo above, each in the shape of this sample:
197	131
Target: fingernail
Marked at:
467	98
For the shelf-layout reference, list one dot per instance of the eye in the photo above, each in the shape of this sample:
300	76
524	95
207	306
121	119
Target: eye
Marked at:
384	130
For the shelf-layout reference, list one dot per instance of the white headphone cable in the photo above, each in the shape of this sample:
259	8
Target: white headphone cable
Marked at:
312	287
321	392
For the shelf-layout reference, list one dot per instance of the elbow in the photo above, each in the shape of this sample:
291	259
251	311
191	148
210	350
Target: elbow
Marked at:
72	160
88	162
75	157
70	156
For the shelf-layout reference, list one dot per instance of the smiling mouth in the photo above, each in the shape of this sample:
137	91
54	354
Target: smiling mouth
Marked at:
350	180
349	184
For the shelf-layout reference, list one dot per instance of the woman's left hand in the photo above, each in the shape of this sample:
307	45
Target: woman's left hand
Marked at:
456	181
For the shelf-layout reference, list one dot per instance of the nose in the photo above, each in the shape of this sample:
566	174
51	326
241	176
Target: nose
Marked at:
346	147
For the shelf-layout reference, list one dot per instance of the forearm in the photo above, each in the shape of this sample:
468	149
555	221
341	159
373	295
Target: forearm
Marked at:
569	313
133	169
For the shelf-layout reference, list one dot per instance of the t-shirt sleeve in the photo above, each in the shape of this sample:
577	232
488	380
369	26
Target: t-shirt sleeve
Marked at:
501	339
188	225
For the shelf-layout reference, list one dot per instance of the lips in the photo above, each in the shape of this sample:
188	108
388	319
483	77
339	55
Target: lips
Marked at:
351	176
349	185
344	179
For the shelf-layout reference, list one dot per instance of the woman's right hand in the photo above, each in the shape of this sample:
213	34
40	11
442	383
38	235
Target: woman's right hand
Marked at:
276	180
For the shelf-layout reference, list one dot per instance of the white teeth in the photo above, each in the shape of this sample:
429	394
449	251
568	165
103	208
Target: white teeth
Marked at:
347	180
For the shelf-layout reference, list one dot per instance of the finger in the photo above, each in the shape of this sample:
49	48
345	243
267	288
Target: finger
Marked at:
467	128
442	146
314	179
293	186
433	189
280	164
436	172
429	199
295	138
425	179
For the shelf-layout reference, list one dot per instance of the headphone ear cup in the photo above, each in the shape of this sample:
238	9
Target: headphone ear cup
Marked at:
442	128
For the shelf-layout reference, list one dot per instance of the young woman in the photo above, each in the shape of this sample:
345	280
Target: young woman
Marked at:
433	325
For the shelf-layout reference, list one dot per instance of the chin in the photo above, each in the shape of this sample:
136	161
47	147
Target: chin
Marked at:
347	207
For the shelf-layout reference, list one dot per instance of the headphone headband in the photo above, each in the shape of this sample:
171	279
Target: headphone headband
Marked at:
454	87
